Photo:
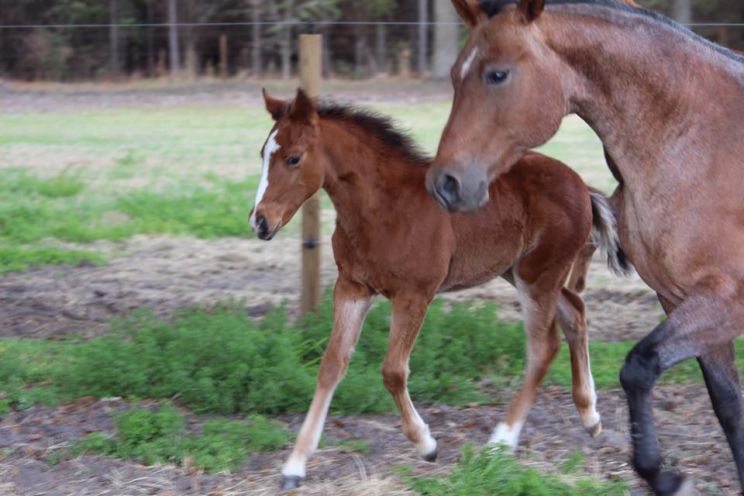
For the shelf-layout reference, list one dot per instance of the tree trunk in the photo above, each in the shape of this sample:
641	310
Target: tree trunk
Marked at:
150	41
286	42
114	37
682	11
423	36
446	33
175	63
380	53
360	51
256	64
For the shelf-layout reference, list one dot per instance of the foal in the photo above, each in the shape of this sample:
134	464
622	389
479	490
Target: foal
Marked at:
392	239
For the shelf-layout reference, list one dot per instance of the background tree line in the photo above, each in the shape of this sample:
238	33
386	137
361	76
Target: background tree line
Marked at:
193	37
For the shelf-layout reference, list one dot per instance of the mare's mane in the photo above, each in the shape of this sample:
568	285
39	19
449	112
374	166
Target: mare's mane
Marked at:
381	127
493	7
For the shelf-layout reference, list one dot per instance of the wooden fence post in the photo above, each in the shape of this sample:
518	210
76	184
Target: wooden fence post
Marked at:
310	75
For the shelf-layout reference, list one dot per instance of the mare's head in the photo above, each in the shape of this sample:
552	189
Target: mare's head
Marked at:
292	171
509	97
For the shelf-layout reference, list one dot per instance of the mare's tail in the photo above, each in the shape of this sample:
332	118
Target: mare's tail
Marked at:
604	233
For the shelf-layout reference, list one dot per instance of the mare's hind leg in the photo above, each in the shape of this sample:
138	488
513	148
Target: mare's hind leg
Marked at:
538	307
707	320
350	305
573	322
722	379
408	315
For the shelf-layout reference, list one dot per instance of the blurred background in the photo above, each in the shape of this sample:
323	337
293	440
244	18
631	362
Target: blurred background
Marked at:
149	344
82	40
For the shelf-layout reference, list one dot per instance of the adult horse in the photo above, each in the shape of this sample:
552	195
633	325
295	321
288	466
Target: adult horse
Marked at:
669	109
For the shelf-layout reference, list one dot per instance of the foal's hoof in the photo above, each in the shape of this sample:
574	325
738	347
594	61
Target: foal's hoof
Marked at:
431	456
290	482
595	430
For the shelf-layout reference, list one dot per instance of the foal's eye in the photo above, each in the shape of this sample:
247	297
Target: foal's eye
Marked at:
293	160
494	77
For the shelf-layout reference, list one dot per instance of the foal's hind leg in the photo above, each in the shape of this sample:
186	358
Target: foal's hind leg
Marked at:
709	319
573	322
538	307
350	305
408	315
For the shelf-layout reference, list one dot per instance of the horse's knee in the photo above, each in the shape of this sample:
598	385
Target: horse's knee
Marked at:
332	368
640	371
394	377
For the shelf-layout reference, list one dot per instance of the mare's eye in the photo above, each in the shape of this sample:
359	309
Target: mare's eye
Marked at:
495	77
293	160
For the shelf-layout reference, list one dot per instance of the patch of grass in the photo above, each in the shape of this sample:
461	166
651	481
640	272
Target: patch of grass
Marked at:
20	258
63	185
221	361
160	436
494	473
353	446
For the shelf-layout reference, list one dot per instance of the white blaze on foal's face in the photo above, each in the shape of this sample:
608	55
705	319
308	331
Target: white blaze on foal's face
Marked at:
465	68
269	149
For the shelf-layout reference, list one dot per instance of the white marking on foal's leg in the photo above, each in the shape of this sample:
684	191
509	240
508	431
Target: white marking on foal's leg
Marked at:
349	317
270	147
506	435
590	417
468	62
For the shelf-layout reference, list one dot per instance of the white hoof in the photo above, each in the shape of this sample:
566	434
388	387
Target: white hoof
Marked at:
506	435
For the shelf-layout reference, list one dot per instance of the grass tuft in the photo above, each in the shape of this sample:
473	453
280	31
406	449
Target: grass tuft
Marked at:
494	473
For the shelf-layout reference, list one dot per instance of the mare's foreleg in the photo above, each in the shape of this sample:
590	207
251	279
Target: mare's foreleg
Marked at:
408	315
701	326
572	320
350	305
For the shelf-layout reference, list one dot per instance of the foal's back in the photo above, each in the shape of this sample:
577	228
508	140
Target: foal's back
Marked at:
540	207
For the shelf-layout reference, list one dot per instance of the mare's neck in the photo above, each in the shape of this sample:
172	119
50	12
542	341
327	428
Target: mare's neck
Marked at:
363	176
649	90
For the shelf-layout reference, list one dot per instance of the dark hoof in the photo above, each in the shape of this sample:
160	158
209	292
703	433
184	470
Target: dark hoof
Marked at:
430	457
290	482
595	430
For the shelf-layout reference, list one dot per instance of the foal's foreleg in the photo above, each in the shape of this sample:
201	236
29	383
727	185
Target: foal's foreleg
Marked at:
408	315
709	319
542	346
573	322
350	305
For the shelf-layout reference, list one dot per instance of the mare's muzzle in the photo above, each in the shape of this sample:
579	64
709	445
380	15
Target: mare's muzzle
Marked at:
458	191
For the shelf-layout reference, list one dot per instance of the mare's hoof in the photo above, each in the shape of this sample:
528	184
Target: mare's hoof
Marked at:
686	489
595	430
290	482
430	457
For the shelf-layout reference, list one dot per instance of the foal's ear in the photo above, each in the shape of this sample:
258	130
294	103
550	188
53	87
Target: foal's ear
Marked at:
530	9
303	108
469	11
277	108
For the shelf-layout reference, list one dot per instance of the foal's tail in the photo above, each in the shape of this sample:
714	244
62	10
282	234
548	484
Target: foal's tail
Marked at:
604	233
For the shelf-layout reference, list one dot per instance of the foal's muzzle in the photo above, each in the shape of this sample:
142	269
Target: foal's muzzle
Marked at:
458	192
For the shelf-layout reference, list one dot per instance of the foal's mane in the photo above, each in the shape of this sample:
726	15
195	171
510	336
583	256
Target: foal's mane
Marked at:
494	7
381	127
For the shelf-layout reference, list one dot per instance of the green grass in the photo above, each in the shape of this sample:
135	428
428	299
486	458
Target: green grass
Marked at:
493	473
19	258
160	436
220	361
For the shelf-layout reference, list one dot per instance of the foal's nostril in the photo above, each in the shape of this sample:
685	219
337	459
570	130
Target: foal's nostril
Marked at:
262	227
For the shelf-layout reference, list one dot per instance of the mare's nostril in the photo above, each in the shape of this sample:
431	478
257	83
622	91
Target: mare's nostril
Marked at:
450	185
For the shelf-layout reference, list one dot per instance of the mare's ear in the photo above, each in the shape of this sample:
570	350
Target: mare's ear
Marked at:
469	11
277	108
530	9
303	108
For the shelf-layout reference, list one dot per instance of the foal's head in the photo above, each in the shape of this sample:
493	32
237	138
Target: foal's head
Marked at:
291	170
509	97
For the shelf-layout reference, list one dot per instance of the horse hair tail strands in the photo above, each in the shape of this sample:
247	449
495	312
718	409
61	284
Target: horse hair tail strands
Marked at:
604	234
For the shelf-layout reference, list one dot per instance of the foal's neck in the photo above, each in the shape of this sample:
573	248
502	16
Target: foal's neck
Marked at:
649	88
363	174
